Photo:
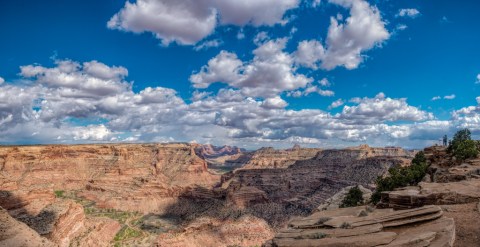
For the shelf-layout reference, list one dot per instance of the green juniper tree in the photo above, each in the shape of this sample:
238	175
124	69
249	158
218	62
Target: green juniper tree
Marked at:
353	198
462	146
401	176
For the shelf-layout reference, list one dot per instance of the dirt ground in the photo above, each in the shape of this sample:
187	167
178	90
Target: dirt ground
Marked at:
467	223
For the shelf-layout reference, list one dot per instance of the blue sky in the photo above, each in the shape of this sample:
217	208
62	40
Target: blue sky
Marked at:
252	73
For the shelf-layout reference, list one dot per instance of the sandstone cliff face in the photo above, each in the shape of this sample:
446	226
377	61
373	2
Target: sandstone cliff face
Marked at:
125	176
309	182
272	158
210	151
138	178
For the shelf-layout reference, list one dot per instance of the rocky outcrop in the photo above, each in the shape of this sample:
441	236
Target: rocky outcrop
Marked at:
447	182
68	223
16	233
365	226
97	232
60	221
433	194
444	168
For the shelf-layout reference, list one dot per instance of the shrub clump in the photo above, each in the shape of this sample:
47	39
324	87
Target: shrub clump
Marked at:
402	176
353	198
59	193
462	146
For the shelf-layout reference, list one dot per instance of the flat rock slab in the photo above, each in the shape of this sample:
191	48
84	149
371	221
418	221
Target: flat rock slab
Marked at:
387	217
335	232
466	191
362	226
374	239
440	232
318	218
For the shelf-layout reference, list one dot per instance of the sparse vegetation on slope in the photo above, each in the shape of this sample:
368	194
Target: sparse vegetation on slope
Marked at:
402	176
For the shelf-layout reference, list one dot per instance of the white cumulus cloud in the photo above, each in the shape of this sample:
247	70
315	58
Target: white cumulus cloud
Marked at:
346	40
187	22
268	74
408	13
49	108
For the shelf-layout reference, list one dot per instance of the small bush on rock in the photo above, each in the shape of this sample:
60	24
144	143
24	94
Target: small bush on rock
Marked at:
353	198
59	193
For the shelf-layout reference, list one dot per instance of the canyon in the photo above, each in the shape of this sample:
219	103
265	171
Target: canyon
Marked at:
169	194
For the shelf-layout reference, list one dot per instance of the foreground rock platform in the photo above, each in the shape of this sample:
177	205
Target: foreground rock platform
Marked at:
461	192
366	226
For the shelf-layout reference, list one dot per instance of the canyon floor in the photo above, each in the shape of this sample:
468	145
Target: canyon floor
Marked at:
200	195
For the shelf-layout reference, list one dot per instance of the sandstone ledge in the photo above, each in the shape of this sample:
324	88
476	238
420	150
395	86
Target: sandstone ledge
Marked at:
433	194
365	226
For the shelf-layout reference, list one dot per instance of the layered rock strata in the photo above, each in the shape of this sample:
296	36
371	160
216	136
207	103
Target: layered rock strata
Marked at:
273	158
308	183
135	177
365	226
433	194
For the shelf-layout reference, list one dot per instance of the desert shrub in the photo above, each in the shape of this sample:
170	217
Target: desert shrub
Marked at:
401	176
353	198
466	150
59	193
323	220
363	213
345	225
462	146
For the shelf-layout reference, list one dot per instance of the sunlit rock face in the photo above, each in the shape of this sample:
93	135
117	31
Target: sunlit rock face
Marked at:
139	177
